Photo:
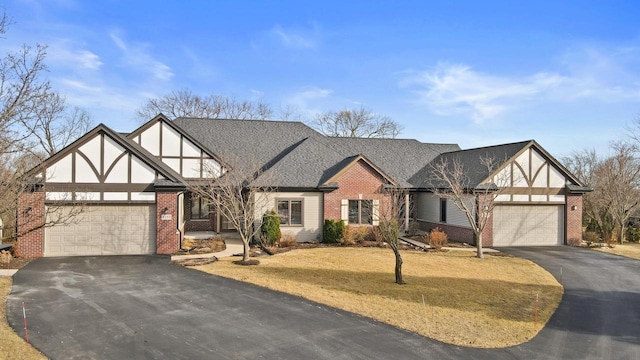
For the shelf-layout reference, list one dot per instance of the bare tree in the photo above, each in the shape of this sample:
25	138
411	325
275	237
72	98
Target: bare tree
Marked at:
184	103
359	122
24	98
57	124
235	196
587	166
476	201
394	204
620	178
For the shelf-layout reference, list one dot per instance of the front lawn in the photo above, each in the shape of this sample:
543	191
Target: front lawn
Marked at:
11	345
449	296
630	250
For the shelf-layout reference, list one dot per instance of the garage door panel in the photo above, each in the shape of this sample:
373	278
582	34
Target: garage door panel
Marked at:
105	230
522	225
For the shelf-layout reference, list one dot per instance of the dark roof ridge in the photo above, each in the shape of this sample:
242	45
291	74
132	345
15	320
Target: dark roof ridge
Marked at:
488	147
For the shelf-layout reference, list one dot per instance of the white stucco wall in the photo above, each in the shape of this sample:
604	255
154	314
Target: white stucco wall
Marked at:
312	208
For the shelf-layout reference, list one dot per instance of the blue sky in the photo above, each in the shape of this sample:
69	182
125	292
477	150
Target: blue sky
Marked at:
565	73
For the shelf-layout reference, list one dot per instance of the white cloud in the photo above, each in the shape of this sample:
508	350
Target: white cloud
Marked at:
297	38
138	56
455	89
585	74
65	53
303	100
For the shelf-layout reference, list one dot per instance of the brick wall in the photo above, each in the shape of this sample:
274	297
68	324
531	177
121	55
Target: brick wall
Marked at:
574	217
454	233
167	238
359	180
30	222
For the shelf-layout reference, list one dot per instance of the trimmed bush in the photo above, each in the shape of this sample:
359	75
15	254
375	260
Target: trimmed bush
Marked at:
355	234
332	231
438	239
270	228
287	240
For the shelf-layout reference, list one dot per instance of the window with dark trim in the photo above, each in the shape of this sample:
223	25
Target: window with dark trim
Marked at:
289	211
361	212
199	208
443	210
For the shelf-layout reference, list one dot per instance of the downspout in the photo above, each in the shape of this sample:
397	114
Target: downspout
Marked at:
179	217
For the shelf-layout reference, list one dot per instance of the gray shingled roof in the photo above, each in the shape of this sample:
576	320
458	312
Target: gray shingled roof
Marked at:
398	158
294	155
247	140
470	160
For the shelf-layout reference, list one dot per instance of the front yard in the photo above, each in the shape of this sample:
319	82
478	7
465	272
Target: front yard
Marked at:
449	296
630	250
11	345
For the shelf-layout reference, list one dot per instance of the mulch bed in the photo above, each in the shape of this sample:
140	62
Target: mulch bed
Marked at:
201	246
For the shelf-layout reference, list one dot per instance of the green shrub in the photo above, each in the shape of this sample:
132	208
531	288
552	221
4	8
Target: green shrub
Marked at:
270	228
438	239
332	231
633	234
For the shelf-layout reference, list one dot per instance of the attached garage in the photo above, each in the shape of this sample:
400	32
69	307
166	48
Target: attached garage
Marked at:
528	225
104	230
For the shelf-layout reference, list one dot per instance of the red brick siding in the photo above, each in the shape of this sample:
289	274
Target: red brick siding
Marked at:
455	233
31	218
574	217
168	237
200	224
358	180
487	232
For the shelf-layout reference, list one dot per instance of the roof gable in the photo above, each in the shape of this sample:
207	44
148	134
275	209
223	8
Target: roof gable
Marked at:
101	165
350	163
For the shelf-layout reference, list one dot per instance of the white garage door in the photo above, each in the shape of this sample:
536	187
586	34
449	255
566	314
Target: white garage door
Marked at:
521	225
104	230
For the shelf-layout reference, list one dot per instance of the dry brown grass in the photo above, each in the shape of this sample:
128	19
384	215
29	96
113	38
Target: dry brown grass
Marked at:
630	250
467	301
11	345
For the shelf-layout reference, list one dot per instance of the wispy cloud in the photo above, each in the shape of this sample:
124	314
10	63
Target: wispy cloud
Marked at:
64	52
305	100
586	73
137	55
298	38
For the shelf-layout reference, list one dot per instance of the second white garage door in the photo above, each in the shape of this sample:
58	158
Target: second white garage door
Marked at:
522	225
104	230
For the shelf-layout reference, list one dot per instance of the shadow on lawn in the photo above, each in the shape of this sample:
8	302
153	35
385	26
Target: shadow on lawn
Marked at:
489	296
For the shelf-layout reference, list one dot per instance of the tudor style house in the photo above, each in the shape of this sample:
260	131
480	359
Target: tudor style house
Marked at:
130	192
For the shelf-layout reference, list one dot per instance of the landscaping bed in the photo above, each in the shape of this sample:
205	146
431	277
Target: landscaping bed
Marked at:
449	296
201	246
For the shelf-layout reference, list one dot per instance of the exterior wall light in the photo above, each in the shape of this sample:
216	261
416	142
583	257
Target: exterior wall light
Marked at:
574	207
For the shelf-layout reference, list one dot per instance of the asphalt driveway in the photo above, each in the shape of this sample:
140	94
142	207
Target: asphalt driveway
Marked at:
142	307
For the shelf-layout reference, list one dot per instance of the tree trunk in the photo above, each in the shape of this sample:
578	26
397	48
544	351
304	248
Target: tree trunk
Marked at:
479	253
621	237
245	250
399	280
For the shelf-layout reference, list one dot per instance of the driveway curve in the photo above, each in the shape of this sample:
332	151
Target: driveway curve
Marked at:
143	307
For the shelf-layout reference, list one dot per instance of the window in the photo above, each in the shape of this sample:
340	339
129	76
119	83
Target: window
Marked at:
443	210
199	208
290	212
360	211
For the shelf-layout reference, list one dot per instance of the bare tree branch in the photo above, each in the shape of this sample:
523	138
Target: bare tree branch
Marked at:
450	180
235	197
356	123
184	103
